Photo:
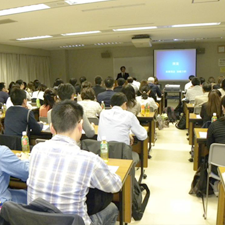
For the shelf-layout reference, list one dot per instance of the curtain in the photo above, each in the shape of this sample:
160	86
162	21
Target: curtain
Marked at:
25	67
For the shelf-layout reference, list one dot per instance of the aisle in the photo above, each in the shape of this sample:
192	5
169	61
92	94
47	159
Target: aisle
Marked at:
169	177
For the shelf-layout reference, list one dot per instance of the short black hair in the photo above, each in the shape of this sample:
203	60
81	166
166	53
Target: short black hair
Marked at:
130	80
207	87
98	80
121	81
191	77
65	91
65	115
17	96
195	81
118	99
57	82
109	81
88	93
202	80
2	85
20	82
122	67
73	81
82	79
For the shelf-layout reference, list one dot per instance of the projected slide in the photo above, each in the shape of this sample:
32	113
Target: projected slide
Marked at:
174	64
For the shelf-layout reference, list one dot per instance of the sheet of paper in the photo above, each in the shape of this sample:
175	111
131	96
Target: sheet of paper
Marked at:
45	127
203	134
113	168
223	174
198	117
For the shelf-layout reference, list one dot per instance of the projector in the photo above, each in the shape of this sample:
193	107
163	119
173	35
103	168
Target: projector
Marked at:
141	41
172	88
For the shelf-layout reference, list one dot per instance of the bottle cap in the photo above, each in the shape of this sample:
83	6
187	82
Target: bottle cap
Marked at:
214	114
24	133
104	138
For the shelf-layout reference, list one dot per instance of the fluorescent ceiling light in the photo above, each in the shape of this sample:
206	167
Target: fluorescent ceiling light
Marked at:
23	9
82	33
196	24
135	28
33	38
77	2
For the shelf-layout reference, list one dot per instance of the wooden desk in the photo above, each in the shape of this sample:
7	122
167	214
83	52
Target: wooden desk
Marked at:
200	149
151	126
193	118
124	197
188	108
221	200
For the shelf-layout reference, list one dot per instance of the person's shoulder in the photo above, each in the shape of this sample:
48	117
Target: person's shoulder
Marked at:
4	149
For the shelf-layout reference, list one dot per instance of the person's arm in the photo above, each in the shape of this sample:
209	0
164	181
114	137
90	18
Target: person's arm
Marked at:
137	129
210	136
99	109
34	125
87	127
12	165
103	179
158	91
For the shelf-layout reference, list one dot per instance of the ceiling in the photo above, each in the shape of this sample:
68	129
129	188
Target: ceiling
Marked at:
104	16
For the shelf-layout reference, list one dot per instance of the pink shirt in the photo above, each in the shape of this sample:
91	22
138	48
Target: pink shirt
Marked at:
43	110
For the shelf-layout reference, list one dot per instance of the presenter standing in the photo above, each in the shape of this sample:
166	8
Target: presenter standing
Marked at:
123	73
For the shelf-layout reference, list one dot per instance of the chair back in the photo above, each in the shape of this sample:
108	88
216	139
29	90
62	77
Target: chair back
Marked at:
39	140
217	154
197	109
12	142
93	120
43	119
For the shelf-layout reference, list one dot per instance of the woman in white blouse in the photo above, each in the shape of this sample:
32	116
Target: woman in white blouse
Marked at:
145	99
91	108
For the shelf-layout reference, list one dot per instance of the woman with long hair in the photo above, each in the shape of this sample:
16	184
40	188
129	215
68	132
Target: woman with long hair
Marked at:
222	89
132	104
212	106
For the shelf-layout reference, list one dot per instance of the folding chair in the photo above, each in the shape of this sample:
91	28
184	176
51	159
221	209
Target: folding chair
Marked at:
216	158
93	120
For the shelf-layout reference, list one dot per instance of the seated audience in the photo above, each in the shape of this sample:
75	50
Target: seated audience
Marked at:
116	123
201	99
69	172
213	105
3	93
92	109
106	95
212	81
73	81
123	73
131	82
39	94
144	99
22	86
219	82
222	89
78	86
18	117
202	80
30	88
67	92
195	90
49	101
189	84
11	165
154	88
136	83
142	84
132	104
98	86
120	83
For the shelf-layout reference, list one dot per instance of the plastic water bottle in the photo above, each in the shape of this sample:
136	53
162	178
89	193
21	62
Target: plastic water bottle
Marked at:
214	118
104	149
147	109
142	110
25	143
38	104
103	105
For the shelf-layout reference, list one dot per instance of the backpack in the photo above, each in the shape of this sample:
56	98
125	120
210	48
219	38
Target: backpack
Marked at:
181	124
170	114
178	110
138	206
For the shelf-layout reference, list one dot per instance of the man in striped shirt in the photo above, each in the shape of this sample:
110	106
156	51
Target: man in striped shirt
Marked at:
61	173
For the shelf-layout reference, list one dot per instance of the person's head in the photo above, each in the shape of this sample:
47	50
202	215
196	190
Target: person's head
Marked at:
143	83
18	96
86	84
145	91
129	91
109	82
42	87
49	97
202	80
21	84
121	82
67	119
36	84
30	86
88	94
2	86
24	85
73	81
82	79
130	80
156	82
66	91
12	85
220	79
211	80
207	87
98	80
119	99
191	77
123	69
195	81
151	80
223	85
214	103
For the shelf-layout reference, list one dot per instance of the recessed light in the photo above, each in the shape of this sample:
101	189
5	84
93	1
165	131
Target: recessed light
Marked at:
78	2
135	28
196	25
81	33
33	38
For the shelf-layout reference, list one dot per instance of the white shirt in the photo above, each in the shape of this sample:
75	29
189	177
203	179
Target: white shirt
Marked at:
115	124
9	104
188	85
38	94
91	108
149	101
193	92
